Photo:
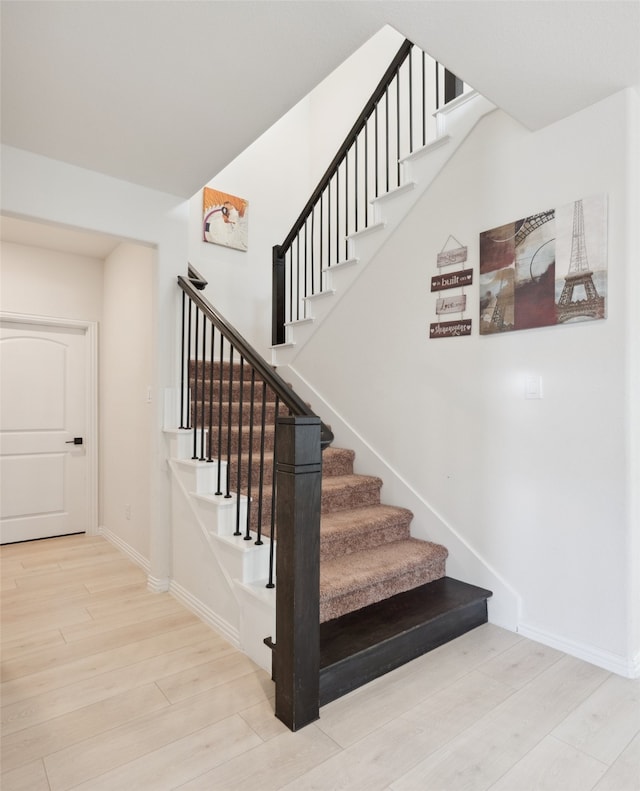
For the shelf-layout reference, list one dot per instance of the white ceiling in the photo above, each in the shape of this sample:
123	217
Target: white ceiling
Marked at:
165	93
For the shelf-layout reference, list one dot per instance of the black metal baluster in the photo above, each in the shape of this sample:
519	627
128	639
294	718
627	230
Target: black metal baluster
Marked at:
306	263
321	240
366	174
203	376
356	183
290	272
238	532
195	387
337	215
297	276
377	149
247	536
386	135
313	245
424	100
189	365
211	375
182	354
329	224
220	407
398	128
346	204
229	421
272	537
410	104
261	475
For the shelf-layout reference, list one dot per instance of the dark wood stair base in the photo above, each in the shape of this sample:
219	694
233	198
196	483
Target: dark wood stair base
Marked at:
363	645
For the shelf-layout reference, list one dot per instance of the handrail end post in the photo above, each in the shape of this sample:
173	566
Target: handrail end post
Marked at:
278	297
296	658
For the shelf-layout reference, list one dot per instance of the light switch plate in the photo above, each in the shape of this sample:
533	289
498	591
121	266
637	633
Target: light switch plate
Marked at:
533	387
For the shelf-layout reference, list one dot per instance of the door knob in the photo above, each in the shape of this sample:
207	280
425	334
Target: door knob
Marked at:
74	441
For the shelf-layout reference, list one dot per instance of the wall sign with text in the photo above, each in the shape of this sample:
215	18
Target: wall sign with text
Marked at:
449	304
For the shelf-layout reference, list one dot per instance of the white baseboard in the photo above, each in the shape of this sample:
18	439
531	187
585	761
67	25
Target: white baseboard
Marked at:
158	584
205	613
125	548
621	666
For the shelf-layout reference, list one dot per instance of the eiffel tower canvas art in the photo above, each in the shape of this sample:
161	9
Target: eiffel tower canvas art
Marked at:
545	269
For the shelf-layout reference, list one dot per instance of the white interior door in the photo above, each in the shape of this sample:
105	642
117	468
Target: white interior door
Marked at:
44	481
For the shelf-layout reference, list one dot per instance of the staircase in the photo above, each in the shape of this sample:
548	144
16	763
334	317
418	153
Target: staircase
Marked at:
384	596
454	123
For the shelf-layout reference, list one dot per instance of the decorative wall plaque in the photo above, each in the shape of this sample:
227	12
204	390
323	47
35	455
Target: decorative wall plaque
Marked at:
451	303
455	304
450	329
452	280
450	257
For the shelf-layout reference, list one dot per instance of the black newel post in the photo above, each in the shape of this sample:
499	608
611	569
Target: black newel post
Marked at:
277	297
453	86
296	661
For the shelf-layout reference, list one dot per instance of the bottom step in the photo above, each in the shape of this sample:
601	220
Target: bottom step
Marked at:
367	643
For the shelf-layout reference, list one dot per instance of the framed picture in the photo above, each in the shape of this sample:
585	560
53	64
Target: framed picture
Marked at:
546	269
224	219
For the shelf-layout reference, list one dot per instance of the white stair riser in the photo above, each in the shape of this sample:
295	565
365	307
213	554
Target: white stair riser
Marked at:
181	443
244	561
200	477
300	329
219	513
340	277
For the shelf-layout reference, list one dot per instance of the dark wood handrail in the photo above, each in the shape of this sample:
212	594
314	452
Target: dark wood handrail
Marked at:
193	287
196	278
369	108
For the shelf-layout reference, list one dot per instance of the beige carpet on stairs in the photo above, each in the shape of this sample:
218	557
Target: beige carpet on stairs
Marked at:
367	553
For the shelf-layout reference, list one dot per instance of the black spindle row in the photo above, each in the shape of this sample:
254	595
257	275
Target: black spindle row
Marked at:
397	119
232	412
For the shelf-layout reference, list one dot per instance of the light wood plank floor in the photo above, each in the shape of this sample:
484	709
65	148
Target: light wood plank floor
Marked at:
106	685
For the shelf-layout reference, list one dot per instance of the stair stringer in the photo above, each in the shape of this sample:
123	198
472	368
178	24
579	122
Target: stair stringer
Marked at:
454	123
464	561
217	575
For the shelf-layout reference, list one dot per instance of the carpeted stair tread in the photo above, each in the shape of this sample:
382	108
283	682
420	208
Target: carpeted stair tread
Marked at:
353	529
356	580
337	461
349	491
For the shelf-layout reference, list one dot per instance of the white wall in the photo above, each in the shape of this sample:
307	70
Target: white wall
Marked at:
277	175
541	490
126	390
44	282
34	187
117	294
272	175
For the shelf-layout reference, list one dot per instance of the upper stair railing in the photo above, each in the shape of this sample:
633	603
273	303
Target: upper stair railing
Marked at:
225	388
396	121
